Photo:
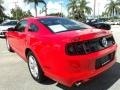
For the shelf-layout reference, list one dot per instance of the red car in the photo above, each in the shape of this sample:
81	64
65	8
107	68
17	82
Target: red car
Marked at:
64	50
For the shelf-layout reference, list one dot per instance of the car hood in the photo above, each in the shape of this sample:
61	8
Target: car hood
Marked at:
5	27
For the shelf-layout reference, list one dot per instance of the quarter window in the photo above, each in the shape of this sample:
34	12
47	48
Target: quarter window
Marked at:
33	28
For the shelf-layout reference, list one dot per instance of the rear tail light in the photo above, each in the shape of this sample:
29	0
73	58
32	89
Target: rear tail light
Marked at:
88	46
70	50
75	49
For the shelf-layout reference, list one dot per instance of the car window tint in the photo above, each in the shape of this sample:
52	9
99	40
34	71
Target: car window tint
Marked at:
20	27
33	28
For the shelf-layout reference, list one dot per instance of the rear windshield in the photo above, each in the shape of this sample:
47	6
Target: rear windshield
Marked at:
62	24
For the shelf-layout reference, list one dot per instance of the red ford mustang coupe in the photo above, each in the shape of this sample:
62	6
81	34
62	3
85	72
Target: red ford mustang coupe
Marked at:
64	50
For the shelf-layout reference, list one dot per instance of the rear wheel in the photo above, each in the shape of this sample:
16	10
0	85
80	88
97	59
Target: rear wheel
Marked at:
8	46
34	68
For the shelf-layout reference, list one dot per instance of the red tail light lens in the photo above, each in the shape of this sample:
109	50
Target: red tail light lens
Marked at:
75	49
70	49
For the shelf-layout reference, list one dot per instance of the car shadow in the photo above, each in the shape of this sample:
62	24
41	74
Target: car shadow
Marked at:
101	82
48	81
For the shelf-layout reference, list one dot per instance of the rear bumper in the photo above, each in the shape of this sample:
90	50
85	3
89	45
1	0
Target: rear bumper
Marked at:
73	78
80	68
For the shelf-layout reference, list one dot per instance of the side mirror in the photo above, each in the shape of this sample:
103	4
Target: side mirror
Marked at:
11	29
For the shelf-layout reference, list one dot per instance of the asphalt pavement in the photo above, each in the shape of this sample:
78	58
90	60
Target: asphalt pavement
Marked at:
14	73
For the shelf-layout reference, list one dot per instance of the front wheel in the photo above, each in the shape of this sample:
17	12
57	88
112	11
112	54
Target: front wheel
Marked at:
34	68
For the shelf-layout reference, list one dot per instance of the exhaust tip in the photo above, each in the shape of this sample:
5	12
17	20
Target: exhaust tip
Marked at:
78	84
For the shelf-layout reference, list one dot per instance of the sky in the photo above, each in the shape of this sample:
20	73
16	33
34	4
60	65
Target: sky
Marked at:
52	5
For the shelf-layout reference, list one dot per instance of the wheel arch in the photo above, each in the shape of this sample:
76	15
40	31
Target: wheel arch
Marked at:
27	50
41	77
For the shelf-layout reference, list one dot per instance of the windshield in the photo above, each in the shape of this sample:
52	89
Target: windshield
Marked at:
63	24
9	23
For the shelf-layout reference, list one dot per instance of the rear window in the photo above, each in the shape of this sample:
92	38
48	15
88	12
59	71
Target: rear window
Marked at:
62	24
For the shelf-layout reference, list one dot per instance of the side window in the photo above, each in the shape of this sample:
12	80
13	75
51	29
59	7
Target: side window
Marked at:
20	27
33	28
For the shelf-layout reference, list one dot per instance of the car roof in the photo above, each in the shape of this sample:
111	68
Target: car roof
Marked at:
40	17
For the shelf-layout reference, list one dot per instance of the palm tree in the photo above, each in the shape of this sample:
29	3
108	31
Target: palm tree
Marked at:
36	4
113	8
79	8
94	7
72	7
1	9
83	8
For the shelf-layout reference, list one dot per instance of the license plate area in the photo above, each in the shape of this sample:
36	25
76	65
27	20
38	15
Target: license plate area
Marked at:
104	60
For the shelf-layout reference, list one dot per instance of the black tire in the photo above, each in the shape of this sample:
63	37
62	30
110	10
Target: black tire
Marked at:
9	47
40	77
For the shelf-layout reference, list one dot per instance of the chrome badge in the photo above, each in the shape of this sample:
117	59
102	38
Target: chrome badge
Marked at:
104	42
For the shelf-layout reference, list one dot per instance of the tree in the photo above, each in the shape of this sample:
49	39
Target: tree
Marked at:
72	8
113	8
1	10
78	9
18	13
104	14
36	4
56	14
1	7
84	8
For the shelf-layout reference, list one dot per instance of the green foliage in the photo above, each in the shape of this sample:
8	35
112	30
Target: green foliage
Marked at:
1	2
113	8
18	13
78	9
1	10
56	14
35	3
104	14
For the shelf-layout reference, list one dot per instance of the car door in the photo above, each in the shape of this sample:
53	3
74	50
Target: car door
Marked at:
20	37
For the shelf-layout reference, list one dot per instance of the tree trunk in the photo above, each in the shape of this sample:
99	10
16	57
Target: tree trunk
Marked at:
94	12
45	9
113	12
35	10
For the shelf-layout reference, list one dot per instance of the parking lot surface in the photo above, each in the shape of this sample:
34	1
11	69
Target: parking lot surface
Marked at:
14	74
